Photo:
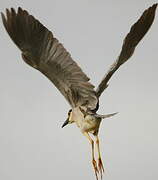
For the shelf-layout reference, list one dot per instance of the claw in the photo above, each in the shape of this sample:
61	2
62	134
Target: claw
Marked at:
101	167
95	168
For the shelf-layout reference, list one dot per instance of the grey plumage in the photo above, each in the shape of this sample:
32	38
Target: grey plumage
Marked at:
137	32
41	50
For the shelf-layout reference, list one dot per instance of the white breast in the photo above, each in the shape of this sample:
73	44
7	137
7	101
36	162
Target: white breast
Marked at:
77	117
88	123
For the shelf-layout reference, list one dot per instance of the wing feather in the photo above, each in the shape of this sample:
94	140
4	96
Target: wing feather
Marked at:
41	50
137	32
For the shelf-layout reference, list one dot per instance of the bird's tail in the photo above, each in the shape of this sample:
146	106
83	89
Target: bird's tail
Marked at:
105	116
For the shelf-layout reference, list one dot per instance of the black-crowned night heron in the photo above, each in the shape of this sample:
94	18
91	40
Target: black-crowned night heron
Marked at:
41	50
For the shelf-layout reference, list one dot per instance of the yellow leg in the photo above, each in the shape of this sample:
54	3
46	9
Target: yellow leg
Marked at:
100	164
93	159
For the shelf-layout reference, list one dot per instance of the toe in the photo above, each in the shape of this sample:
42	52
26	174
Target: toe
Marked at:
95	168
101	167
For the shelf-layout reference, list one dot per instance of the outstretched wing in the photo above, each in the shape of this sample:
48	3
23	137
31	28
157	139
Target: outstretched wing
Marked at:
137	32
41	50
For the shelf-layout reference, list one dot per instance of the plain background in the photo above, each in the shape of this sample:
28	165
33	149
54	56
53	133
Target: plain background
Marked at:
32	143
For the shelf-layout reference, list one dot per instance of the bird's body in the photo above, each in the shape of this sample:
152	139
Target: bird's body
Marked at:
91	124
42	51
86	123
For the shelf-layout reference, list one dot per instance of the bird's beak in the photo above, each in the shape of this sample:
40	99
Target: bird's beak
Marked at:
65	123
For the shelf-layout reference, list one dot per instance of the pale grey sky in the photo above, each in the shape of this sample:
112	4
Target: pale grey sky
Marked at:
32	144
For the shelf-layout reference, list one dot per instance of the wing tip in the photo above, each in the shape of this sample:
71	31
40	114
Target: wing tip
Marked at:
12	10
4	20
152	9
154	5
2	15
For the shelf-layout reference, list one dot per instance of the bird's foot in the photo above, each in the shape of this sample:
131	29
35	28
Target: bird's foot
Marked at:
101	167
95	168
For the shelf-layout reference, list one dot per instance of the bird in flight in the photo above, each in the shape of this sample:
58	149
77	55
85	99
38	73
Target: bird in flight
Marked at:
41	50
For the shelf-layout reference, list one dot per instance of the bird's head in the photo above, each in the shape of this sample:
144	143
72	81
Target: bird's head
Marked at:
69	119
